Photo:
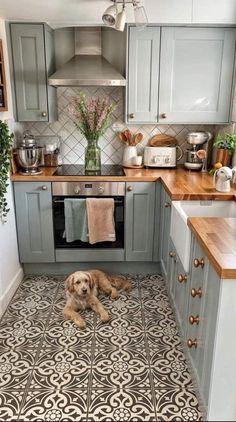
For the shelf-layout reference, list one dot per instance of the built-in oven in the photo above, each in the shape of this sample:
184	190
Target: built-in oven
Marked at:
62	190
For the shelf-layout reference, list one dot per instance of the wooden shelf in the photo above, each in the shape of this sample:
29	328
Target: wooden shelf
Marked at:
3	88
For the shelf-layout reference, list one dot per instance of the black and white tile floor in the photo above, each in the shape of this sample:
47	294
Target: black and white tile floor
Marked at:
129	369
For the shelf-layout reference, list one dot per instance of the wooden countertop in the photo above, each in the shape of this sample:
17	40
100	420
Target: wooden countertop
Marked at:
179	183
217	237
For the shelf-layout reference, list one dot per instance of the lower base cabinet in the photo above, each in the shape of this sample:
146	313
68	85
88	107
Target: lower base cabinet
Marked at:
33	204
139	221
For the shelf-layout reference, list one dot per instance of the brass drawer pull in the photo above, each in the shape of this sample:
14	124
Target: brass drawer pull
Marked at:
44	187
129	188
192	343
132	115
194	319
172	254
44	114
196	292
198	262
167	205
182	278
163	115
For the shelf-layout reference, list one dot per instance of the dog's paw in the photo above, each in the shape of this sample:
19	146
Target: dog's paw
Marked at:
81	323
114	294
105	317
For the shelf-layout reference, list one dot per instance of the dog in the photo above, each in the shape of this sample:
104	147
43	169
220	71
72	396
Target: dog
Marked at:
82	288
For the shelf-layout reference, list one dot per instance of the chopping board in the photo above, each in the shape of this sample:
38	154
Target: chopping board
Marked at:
162	141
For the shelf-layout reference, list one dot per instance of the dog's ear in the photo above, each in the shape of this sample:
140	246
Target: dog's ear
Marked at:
91	280
69	283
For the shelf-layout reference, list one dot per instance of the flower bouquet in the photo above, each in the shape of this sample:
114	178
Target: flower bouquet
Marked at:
91	116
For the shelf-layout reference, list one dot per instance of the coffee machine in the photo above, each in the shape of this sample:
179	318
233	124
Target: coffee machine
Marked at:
197	155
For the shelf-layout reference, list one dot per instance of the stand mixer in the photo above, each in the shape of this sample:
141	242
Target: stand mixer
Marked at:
196	156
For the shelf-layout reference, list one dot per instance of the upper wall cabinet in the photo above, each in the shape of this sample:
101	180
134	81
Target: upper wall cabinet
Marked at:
33	62
143	73
196	76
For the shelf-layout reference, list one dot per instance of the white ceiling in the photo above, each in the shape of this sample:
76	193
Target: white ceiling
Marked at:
57	12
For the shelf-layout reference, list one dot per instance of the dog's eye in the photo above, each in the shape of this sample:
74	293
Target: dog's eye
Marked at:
77	282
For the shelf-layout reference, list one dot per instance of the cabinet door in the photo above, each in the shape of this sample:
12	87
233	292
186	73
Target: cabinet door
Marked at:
196	74
182	284
29	64
172	269
143	74
139	221
165	230
33	203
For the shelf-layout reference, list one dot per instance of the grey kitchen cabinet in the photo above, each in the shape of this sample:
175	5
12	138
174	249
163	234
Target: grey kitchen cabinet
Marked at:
32	62
201	317
143	73
196	74
165	220
139	221
33	204
195	80
172	269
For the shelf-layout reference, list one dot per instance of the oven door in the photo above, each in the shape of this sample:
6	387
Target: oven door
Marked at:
59	226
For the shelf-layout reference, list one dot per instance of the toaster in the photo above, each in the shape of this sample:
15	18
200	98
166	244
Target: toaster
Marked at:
160	156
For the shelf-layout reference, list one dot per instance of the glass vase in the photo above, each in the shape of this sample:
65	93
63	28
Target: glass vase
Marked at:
92	156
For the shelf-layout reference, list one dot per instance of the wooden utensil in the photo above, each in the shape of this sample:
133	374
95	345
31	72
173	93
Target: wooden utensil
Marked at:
123	138
128	135
137	138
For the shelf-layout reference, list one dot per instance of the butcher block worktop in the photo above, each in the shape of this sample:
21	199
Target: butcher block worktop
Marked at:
179	183
217	237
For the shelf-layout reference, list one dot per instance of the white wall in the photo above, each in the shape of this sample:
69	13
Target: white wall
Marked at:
10	270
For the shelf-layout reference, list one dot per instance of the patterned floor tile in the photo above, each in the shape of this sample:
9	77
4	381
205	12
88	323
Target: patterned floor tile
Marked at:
177	405
121	405
131	368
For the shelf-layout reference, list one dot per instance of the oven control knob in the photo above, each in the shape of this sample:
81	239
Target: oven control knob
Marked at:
77	189
101	189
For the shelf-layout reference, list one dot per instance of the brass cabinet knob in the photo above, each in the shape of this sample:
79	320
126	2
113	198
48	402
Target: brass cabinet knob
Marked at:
129	188
163	115
196	292
182	278
44	114
192	343
44	187
132	116
193	319
198	263
167	204
172	254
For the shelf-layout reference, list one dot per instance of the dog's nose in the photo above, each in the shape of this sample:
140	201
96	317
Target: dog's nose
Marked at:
84	290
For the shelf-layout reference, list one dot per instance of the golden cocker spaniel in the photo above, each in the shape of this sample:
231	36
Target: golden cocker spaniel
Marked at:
82	288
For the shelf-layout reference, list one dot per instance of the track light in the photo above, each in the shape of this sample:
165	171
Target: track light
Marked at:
117	20
109	16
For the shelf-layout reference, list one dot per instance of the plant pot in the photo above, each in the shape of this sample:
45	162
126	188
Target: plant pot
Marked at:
223	156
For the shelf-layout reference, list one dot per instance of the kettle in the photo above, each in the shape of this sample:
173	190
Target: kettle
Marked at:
222	178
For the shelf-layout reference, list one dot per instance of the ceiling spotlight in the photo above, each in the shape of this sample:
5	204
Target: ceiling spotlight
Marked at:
118	20
121	19
109	16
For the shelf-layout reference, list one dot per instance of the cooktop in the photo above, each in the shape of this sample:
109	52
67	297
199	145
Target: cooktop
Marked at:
78	170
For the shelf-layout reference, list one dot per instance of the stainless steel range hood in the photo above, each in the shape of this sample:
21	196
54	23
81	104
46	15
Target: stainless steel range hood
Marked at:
88	67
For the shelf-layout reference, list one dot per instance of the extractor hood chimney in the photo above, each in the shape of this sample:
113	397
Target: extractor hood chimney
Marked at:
88	67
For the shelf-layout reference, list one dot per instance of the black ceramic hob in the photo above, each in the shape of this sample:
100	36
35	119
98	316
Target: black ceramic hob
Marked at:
78	170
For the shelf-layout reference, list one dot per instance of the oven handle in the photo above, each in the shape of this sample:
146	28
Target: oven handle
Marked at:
62	201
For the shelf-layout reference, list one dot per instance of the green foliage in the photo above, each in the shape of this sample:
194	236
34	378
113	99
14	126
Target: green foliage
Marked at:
226	141
6	140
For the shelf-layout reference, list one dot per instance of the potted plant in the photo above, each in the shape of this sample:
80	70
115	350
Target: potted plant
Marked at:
6	140
225	145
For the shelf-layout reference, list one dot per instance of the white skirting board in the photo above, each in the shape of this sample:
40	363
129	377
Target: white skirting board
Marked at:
6	297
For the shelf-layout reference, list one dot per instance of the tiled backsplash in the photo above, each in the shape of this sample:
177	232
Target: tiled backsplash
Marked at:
73	142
